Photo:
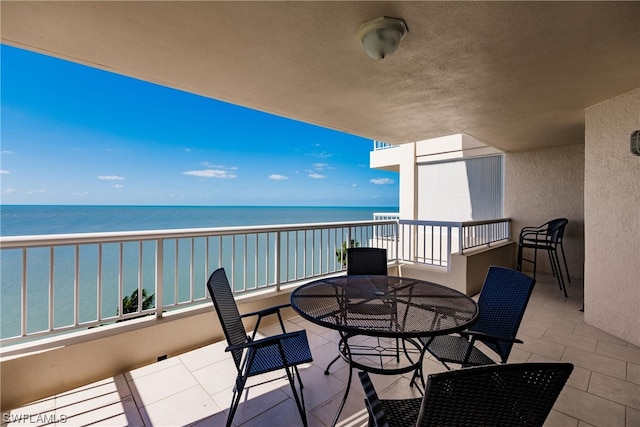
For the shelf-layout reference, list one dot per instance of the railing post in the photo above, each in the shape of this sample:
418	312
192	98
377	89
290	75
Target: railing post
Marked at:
461	232
277	259
449	240
159	278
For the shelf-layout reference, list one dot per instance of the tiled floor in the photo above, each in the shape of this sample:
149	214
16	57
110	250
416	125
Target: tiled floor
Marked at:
194	388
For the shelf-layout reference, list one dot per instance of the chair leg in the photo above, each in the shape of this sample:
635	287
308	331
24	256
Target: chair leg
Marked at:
235	399
519	263
299	399
555	266
535	262
564	258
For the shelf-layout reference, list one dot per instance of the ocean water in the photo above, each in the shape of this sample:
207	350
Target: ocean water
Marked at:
45	219
39	220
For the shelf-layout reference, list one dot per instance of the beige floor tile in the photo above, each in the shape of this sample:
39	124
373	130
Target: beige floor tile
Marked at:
204	356
318	387
119	413
217	377
633	373
152	368
354	412
161	384
111	388
571	340
217	420
587	330
589	408
596	362
284	414
180	409
533	329
557	419
541	347
257	397
617	351
614	389
633	418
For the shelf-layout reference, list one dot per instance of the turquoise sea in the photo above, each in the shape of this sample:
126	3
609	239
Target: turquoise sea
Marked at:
45	219
48	219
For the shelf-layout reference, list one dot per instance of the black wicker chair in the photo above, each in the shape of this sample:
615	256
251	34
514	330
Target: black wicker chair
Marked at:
365	261
254	357
501	306
498	395
548	237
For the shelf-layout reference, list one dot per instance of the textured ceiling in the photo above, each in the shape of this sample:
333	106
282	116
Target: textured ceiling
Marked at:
517	75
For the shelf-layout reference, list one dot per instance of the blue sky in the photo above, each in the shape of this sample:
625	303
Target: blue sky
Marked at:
76	135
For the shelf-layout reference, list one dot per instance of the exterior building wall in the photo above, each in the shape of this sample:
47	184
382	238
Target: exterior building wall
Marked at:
544	184
612	218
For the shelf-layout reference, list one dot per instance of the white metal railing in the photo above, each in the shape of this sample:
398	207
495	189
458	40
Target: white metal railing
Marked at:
379	145
56	283
433	242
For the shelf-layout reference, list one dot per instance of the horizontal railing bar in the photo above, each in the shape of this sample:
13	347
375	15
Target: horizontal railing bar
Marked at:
33	241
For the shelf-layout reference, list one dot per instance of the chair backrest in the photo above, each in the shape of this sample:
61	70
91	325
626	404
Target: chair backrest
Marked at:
227	310
501	306
555	229
366	261
495	395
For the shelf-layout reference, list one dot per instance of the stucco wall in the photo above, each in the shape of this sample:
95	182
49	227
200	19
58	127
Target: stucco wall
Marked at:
612	218
541	185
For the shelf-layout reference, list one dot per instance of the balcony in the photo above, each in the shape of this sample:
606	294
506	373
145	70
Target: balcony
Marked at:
193	388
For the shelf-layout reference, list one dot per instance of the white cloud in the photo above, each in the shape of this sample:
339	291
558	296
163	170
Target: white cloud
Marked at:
118	186
322	155
36	191
6	152
80	194
110	177
3	171
320	166
9	191
381	181
277	177
317	176
212	173
354	185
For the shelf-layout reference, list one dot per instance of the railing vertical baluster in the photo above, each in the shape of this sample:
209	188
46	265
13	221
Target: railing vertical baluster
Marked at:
120	282
176	272
23	296
140	274
99	284
76	286
159	277
51	292
191	270
206	261
276	261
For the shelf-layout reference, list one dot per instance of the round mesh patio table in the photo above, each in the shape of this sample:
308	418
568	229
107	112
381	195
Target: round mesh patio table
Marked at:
393	310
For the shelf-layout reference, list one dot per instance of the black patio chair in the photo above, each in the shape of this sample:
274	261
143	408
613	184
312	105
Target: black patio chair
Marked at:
498	395
548	237
254	357
501	305
366	261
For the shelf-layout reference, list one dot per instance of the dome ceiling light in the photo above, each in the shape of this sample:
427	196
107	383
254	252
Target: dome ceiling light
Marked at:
381	36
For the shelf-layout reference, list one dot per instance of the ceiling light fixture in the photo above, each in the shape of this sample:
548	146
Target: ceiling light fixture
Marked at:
381	36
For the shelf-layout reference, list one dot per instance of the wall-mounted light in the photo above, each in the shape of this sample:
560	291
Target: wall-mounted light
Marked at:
381	37
635	142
